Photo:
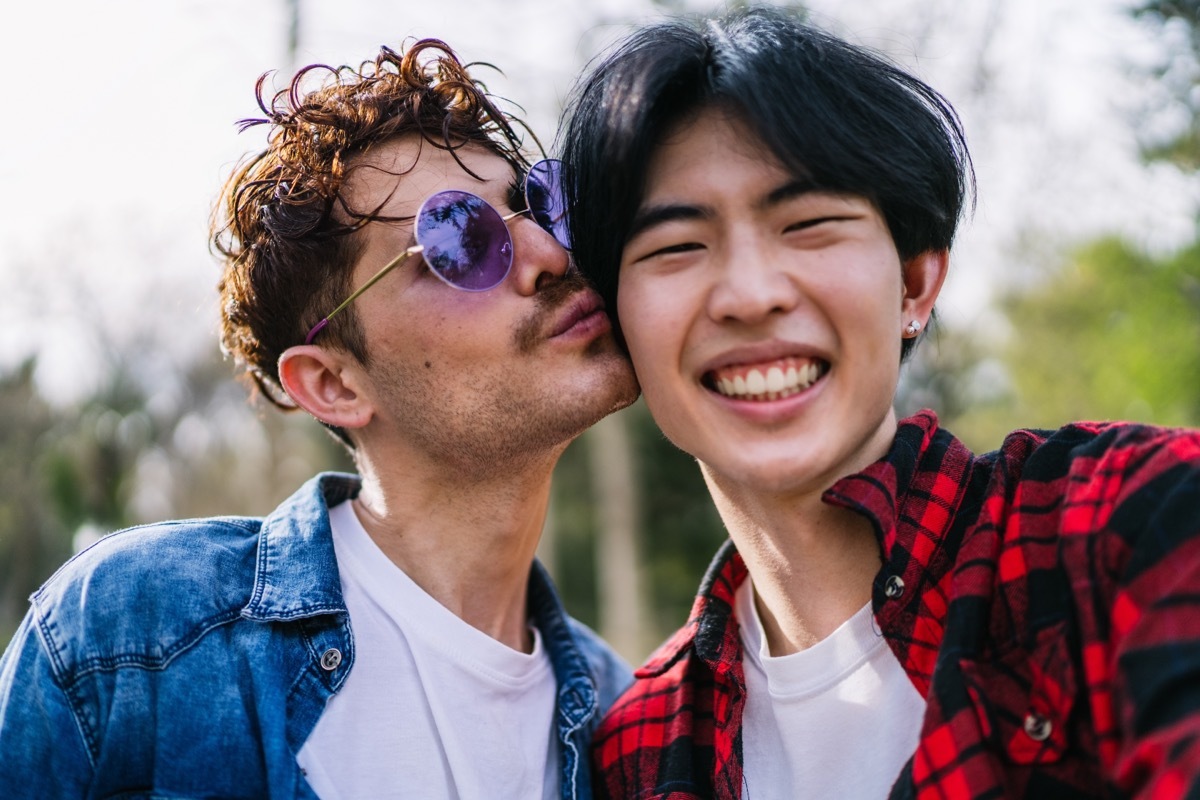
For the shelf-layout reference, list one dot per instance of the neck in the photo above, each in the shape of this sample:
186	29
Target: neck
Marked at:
467	538
812	564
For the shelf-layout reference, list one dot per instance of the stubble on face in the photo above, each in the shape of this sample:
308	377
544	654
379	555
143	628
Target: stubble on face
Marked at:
529	332
501	417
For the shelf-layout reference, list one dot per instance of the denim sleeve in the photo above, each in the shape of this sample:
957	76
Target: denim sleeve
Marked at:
42	752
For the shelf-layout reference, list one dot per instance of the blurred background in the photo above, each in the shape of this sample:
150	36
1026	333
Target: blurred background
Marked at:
1074	290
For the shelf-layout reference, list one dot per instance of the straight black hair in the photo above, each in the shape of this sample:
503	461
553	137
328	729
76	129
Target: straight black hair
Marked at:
833	113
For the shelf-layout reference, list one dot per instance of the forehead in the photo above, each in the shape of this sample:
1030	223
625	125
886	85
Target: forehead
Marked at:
704	150
712	159
402	172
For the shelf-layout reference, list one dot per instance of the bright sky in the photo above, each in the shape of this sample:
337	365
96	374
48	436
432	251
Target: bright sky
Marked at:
118	128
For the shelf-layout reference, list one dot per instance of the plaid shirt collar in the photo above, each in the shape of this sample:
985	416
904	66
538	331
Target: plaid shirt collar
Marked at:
911	497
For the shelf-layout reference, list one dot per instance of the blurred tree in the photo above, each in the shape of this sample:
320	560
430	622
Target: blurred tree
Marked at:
1118	337
682	525
677	533
1178	76
1114	332
33	540
617	490
133	453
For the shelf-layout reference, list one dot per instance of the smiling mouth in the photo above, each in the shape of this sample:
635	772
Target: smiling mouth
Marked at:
768	381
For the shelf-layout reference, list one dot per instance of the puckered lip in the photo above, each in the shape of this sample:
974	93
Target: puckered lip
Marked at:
580	306
760	353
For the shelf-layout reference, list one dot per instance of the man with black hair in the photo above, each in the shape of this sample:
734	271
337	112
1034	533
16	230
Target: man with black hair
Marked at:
768	210
395	266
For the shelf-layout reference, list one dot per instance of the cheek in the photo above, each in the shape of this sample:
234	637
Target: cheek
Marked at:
652	329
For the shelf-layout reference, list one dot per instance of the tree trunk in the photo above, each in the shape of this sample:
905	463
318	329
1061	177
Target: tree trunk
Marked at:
621	597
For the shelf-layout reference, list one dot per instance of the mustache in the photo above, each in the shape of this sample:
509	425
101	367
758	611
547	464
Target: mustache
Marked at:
549	300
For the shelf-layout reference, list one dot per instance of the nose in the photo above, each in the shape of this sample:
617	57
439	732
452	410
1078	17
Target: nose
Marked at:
751	285
538	258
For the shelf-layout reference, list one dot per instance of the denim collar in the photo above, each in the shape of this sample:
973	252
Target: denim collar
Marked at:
296	575
576	688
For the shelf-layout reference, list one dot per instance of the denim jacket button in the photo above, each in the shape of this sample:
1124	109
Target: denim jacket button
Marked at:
330	659
1038	727
894	587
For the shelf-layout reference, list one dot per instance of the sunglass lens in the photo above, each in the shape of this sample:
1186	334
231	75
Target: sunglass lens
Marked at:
544	194
465	241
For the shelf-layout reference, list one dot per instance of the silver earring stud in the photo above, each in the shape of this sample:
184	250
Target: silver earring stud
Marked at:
913	328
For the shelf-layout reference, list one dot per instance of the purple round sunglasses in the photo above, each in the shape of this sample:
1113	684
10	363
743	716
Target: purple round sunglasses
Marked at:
464	239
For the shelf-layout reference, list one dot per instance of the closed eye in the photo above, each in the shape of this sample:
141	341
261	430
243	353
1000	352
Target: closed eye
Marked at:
814	222
682	247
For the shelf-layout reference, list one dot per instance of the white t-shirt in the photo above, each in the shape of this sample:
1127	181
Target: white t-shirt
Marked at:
839	719
432	708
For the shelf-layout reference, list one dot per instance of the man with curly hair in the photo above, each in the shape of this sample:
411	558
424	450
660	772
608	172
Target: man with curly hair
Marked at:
395	267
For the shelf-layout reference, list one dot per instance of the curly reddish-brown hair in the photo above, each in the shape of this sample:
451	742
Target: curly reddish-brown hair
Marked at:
281	224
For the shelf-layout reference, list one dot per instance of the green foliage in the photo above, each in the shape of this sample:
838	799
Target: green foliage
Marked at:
681	527
33	541
79	469
575	529
1114	335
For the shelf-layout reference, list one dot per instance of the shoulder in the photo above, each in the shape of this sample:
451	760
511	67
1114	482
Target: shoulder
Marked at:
139	595
1131	490
1110	463
1087	446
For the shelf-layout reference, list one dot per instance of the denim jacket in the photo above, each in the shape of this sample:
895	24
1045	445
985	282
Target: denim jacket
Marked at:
193	658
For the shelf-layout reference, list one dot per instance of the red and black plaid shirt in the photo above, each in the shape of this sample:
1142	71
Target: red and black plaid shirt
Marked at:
1045	599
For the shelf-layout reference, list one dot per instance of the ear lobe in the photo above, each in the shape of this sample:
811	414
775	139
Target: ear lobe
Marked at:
924	275
319	381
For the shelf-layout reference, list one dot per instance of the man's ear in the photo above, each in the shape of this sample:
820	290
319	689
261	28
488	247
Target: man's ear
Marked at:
924	275
322	383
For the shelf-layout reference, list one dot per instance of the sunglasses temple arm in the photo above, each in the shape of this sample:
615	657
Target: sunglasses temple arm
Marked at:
391	265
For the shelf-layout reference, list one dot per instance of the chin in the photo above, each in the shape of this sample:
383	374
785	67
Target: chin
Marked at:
766	474
617	382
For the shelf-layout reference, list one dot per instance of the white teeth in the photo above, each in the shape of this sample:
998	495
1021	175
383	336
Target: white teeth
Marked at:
777	383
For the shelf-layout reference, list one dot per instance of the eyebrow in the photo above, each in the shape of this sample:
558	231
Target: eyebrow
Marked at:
652	216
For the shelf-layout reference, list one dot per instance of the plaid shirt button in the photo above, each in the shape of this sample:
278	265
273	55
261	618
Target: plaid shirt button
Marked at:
1038	727
894	587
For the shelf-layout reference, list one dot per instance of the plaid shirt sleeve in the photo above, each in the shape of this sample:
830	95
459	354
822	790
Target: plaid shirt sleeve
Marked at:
1068	652
1140	630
